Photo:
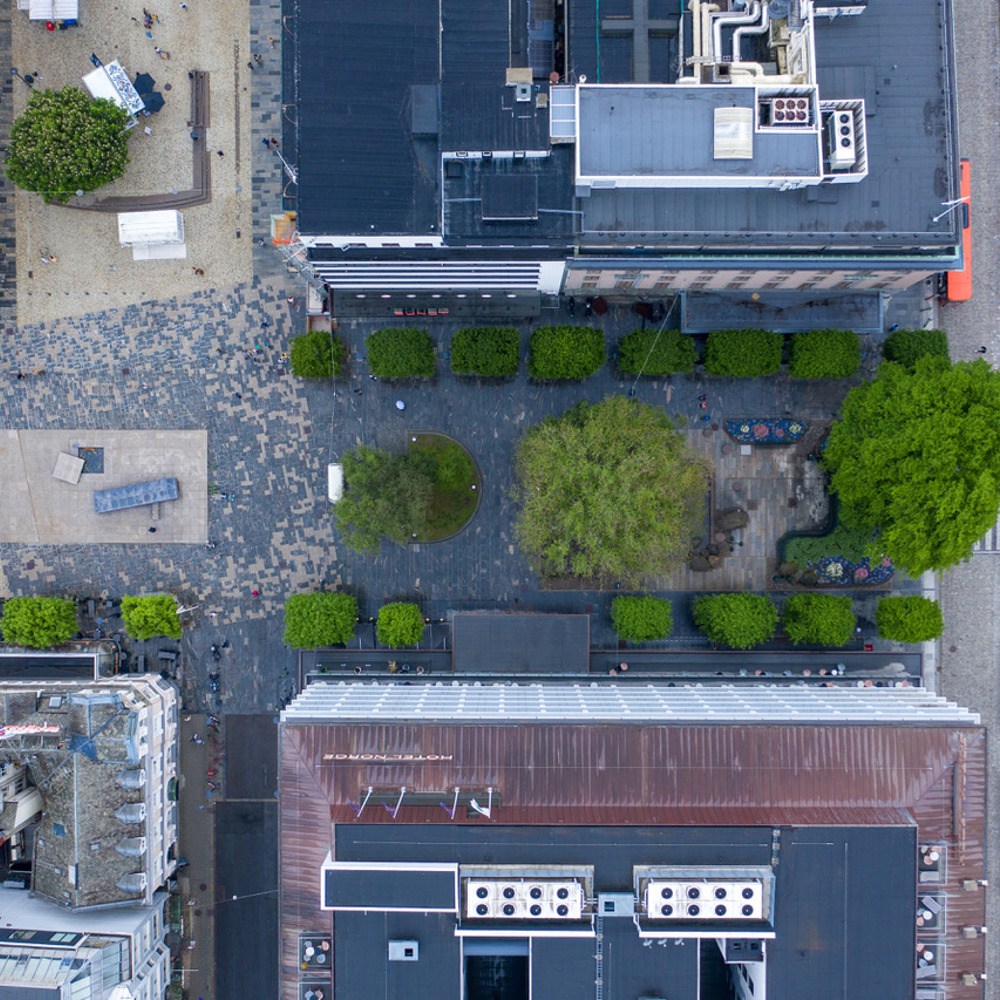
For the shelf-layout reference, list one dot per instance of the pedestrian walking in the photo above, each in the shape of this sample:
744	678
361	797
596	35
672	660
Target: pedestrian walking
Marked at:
194	135
239	395
260	242
982	350
152	531
266	142
256	593
198	270
219	153
257	59
250	66
213	614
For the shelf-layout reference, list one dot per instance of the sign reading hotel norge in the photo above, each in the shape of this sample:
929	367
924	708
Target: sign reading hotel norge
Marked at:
390	758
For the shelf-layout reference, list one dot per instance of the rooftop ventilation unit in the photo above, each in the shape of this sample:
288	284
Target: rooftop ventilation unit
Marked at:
615	904
708	900
522	92
502	899
843	140
786	112
404	951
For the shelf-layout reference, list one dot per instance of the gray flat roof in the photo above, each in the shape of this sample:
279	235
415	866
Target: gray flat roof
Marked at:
669	132
526	643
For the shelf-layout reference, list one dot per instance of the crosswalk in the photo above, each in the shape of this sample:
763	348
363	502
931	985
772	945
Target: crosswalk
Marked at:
989	543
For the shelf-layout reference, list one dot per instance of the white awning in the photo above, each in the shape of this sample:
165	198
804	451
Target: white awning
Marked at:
53	10
165	226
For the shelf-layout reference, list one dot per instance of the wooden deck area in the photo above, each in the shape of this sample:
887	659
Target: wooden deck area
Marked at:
780	488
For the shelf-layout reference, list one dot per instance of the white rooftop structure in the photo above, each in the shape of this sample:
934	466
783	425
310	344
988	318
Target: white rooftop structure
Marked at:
347	701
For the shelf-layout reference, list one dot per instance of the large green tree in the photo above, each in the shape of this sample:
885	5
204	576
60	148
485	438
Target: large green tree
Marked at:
387	495
916	457
610	489
320	619
736	620
155	614
38	622
65	142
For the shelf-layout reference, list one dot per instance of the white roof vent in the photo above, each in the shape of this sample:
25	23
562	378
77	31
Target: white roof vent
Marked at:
404	951
733	134
709	900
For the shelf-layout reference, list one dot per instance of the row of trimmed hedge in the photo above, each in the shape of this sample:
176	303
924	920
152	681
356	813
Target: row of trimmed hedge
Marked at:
744	620
577	352
328	619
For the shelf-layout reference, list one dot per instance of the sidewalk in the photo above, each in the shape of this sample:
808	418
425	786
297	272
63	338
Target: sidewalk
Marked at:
196	839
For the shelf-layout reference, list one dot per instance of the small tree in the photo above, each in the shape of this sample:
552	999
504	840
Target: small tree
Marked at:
320	619
146	617
907	347
386	495
641	619
656	352
488	351
825	354
574	352
317	354
399	624
736	620
400	352
65	142
909	619
743	353
819	618
38	622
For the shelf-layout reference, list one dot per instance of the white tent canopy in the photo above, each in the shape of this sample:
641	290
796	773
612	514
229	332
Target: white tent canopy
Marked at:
146	228
111	82
50	10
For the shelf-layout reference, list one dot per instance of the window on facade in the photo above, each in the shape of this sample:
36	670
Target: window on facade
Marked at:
735	284
624	283
589	284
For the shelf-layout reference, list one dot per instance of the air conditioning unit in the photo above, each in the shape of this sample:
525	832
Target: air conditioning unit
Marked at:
708	900
843	140
502	899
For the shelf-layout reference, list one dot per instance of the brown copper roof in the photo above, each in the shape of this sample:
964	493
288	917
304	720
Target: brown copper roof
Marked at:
771	775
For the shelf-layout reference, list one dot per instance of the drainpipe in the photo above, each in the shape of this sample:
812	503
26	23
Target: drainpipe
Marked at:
758	29
718	20
707	11
696	31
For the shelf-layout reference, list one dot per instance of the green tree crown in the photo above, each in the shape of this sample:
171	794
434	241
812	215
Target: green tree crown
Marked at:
155	614
38	622
386	495
65	142
316	354
736	620
609	490
656	352
558	352
907	347
641	619
825	354
488	351
743	353
400	352
399	624
320	619
916	457
822	619
909	619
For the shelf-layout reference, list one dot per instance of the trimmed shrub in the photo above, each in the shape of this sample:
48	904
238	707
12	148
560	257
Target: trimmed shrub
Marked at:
641	619
399	624
400	352
736	620
38	622
909	619
907	347
566	352
320	619
489	351
316	354
825	354
656	352
819	618
743	353
145	617
849	543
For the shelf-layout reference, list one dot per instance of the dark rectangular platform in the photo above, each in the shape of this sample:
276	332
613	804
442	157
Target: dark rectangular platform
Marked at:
486	643
137	495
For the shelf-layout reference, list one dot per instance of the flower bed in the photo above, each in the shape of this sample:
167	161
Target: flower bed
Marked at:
840	572
763	430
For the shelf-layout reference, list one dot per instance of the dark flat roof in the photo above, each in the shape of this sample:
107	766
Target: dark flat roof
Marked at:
379	101
486	643
844	913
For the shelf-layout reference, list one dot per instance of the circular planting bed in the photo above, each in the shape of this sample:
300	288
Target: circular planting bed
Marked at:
455	497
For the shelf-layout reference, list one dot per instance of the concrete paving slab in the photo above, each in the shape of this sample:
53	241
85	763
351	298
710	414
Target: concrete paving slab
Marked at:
37	507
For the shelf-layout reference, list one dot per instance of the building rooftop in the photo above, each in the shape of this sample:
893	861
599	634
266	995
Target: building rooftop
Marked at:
770	788
86	756
430	123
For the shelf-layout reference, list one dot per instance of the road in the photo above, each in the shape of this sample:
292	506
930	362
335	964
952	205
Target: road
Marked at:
970	593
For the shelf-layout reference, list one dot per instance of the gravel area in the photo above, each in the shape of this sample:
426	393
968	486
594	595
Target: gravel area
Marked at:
92	270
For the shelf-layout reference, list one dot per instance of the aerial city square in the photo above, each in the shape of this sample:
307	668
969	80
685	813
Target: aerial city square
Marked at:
499	501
